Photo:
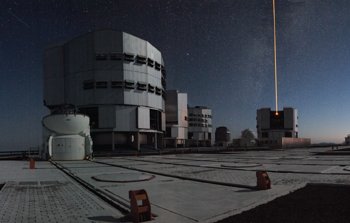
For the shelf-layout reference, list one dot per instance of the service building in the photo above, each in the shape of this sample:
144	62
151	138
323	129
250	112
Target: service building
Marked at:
200	126
176	119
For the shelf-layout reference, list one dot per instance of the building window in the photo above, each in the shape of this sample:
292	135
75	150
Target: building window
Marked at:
141	59
168	132
129	84
157	66
163	83
129	57
163	71
117	84
150	62
101	84
265	135
89	84
141	86
151	88
288	134
158	91
101	56
116	56
155	120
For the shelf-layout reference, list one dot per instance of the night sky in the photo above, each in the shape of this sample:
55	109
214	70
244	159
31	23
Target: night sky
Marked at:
218	51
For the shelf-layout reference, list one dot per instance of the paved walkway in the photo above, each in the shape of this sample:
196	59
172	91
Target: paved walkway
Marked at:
182	188
46	195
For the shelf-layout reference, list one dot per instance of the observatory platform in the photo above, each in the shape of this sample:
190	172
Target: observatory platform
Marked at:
181	187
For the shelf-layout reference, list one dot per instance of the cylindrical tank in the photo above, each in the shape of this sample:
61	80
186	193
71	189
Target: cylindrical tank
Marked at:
67	136
68	147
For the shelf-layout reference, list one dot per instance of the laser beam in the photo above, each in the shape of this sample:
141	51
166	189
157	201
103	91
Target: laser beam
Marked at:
275	54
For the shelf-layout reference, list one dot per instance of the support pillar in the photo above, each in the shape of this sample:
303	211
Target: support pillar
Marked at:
137	141
113	143
155	141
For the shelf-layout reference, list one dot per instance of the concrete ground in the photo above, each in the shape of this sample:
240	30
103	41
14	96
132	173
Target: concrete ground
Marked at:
45	194
181	187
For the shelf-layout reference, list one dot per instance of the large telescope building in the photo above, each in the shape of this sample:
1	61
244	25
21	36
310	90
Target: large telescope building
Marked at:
279	129
115	78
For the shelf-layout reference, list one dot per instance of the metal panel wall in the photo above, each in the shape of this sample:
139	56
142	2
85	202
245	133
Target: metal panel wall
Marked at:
125	118
143	118
107	118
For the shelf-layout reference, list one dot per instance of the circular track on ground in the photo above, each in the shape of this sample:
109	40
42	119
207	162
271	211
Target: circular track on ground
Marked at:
346	168
123	177
241	165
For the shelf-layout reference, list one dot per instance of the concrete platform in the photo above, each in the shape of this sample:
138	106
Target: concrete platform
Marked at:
185	187
45	194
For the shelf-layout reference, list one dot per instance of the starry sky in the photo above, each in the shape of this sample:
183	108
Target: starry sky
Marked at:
218	51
